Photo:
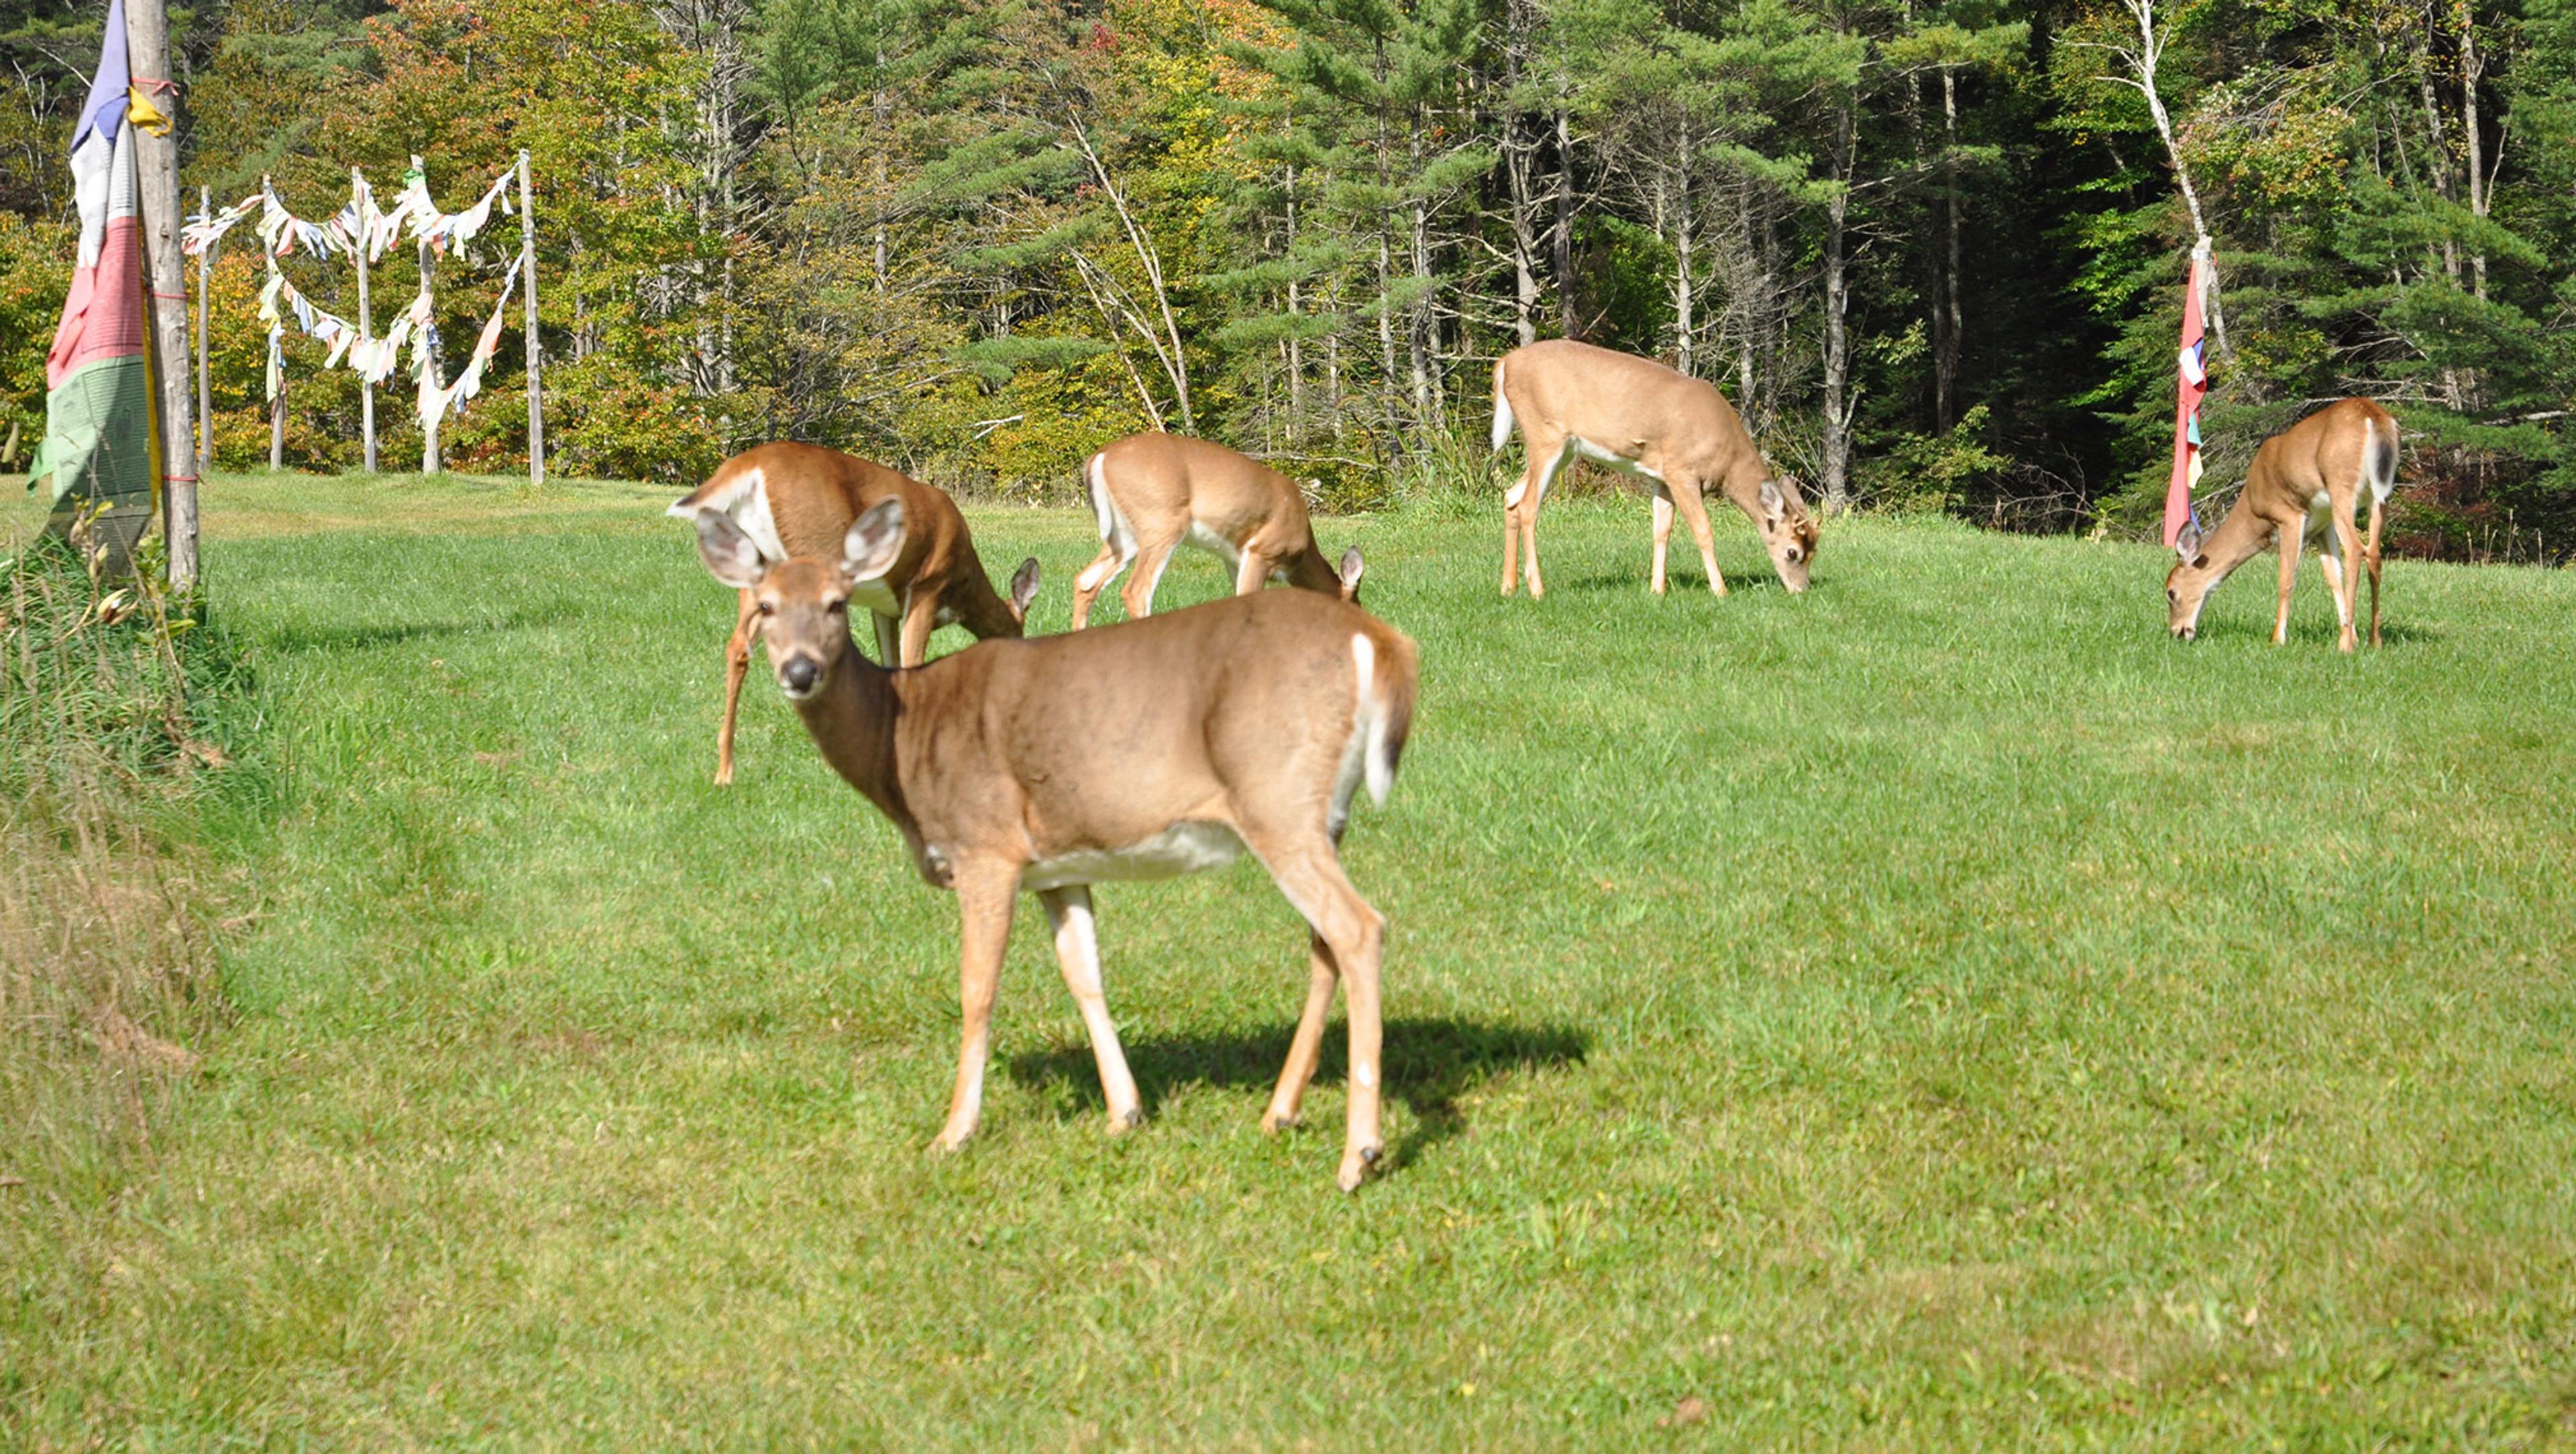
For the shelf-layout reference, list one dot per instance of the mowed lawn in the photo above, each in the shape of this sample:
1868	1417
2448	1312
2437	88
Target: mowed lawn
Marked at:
1934	1012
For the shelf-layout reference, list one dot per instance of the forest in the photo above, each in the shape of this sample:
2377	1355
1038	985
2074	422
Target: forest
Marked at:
1934	249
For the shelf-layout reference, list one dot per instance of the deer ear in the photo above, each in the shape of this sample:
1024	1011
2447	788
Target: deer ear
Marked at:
2187	544
869	550
1024	587
1774	503
729	554
1352	569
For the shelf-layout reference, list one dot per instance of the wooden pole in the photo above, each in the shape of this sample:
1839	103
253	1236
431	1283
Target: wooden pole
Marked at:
536	386
366	320
429	378
205	296
156	163
277	425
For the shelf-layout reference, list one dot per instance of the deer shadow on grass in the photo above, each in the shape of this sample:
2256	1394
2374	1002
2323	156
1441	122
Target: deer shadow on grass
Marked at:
1676	583
366	636
1429	1064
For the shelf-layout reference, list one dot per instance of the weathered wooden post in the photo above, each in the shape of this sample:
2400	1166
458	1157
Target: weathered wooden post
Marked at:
366	316
156	164
536	387
205	295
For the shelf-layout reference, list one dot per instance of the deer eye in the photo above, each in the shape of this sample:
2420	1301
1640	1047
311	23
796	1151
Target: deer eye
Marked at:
2172	595
837	607
769	608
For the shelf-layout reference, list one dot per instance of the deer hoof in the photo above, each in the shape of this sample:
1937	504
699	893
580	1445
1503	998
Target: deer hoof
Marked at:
1278	1121
1122	1122
1356	1164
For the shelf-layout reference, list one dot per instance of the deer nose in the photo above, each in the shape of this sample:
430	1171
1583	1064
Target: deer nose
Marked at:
798	675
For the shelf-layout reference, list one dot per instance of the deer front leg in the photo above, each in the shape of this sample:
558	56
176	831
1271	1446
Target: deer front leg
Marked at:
737	665
1308	1046
1694	508
2291	538
985	894
1663	532
920	618
1077	950
1251	572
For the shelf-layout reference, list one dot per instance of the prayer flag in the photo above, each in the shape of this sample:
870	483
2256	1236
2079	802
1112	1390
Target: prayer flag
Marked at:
2191	383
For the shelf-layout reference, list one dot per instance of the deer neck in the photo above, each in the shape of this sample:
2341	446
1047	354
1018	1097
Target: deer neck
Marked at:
2239	538
852	720
1309	569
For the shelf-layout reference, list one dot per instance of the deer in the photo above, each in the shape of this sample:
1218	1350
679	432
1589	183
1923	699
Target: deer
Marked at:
1575	401
801	499
2304	484
1153	493
1246	723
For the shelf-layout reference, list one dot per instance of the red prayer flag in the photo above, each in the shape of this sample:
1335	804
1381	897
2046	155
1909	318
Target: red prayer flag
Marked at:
2192	381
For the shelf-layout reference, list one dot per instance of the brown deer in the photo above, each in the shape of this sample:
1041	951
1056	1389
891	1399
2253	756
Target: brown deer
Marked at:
1154	493
1138	751
1574	401
800	499
2303	485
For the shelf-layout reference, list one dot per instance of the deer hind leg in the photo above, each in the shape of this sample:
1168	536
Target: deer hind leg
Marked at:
1138	594
2345	576
1094	579
1694	510
1322	975
1077	950
746	625
1663	533
1309	873
2292	537
985	893
2378	507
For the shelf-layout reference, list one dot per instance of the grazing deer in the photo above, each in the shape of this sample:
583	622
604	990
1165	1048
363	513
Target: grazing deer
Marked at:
800	499
2303	485
1138	751
1153	493
1572	400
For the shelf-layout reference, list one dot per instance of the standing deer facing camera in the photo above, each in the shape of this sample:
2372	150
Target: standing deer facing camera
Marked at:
1138	751
1154	493
2304	484
801	499
1574	401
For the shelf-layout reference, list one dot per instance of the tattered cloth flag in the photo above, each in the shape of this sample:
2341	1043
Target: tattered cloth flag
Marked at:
437	400
98	405
2191	384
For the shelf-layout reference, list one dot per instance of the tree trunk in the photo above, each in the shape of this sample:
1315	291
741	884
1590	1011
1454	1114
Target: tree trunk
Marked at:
1560	238
1838	408
1296	344
2145	61
1949	325
2472	68
1519	155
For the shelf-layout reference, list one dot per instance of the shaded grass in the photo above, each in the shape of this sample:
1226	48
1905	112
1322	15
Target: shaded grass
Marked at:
1932	1011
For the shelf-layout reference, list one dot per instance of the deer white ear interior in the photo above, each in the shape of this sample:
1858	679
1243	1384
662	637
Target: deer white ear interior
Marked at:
1352	569
869	550
2187	544
729	554
1774	504
1024	587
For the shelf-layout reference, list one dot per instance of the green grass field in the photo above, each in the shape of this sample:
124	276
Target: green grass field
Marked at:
1934	1012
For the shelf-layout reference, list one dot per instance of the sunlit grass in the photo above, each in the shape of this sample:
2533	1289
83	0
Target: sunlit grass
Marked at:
1936	1011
